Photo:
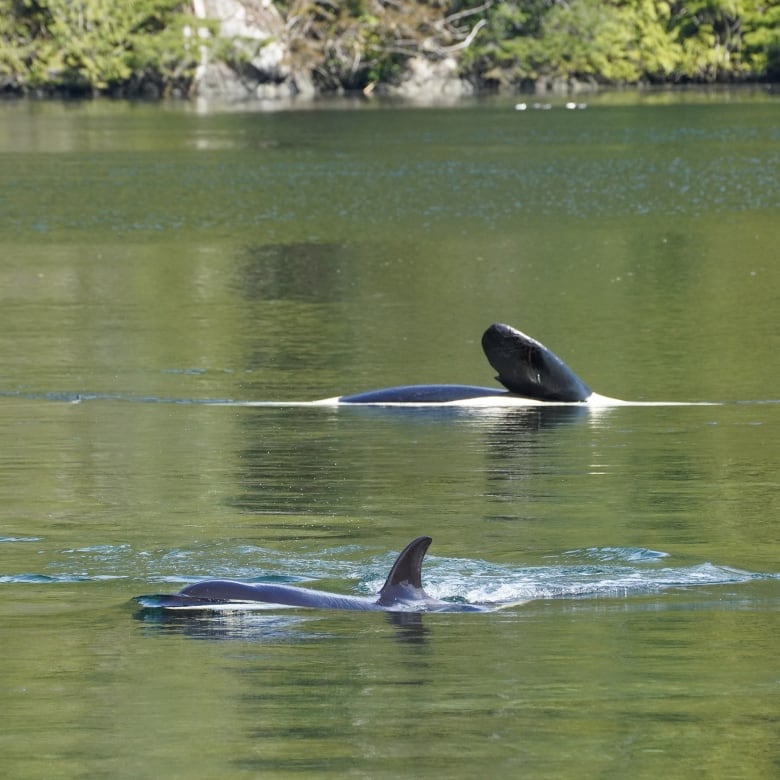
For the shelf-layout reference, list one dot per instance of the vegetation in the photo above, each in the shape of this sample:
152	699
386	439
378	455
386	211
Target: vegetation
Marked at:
361	42
88	46
632	41
116	46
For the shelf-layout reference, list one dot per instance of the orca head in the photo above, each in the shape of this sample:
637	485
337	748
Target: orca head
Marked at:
404	583
527	368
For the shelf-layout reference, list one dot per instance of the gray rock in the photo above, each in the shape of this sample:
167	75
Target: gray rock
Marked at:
255	30
432	80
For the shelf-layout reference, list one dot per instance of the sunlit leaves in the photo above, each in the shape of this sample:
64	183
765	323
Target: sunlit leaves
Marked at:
114	45
632	41
92	45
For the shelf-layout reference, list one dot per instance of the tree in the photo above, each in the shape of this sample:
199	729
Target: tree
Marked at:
85	46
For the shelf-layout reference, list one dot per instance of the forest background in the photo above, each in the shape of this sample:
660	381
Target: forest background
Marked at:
159	47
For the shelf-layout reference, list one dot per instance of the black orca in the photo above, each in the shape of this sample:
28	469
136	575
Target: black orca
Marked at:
532	375
530	372
402	592
527	368
422	394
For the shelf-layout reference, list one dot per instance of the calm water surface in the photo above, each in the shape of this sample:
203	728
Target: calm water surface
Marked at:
154	259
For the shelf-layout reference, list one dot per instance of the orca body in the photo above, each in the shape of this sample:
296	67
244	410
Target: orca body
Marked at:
402	592
530	373
422	394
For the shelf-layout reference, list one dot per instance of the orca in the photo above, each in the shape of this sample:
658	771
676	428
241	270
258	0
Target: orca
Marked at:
532	376
527	368
402	592
530	373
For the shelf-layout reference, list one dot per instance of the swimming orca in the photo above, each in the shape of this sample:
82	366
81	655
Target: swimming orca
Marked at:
532	375
530	372
402	592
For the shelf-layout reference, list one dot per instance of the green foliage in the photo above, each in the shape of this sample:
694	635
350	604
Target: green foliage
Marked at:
86	46
630	41
761	38
119	46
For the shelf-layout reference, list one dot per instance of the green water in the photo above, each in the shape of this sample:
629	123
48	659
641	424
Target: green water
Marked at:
152	258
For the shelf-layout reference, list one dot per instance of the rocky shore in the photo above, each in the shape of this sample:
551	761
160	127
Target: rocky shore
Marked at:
268	70
243	50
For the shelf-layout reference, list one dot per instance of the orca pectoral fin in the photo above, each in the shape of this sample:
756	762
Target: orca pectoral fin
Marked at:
527	368
404	583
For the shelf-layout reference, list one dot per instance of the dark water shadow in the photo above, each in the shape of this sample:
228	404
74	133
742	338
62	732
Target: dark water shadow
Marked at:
272	626
335	456
513	420
306	271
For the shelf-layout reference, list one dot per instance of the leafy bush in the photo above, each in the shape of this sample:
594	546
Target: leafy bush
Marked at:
116	46
86	46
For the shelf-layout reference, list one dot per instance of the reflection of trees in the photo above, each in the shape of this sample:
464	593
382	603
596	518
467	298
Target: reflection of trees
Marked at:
291	467
296	292
296	272
342	461
518	451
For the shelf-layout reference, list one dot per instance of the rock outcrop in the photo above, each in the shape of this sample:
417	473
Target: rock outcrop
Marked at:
431	81
258	64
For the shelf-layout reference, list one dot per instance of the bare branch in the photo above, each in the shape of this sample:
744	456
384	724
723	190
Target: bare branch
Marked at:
464	44
467	12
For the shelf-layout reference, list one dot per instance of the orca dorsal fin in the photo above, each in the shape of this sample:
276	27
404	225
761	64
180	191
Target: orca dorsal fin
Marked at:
527	368
404	583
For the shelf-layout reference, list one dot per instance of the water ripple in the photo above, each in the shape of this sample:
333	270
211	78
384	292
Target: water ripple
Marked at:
631	554
621	572
19	539
597	572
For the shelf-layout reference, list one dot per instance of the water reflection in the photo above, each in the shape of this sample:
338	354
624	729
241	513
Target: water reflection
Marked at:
504	428
273	628
339	457
252	626
505	421
361	249
411	628
304	271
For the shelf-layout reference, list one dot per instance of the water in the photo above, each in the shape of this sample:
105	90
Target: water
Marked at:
156	259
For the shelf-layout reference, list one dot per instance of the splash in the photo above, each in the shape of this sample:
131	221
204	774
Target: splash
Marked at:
601	572
589	573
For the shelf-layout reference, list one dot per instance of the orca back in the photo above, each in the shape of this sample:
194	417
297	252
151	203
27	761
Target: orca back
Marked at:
420	394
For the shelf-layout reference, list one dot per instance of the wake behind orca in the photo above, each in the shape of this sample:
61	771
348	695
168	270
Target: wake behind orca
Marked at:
402	592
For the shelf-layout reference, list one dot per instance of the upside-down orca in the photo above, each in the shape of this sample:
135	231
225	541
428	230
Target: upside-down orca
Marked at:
530	373
402	592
